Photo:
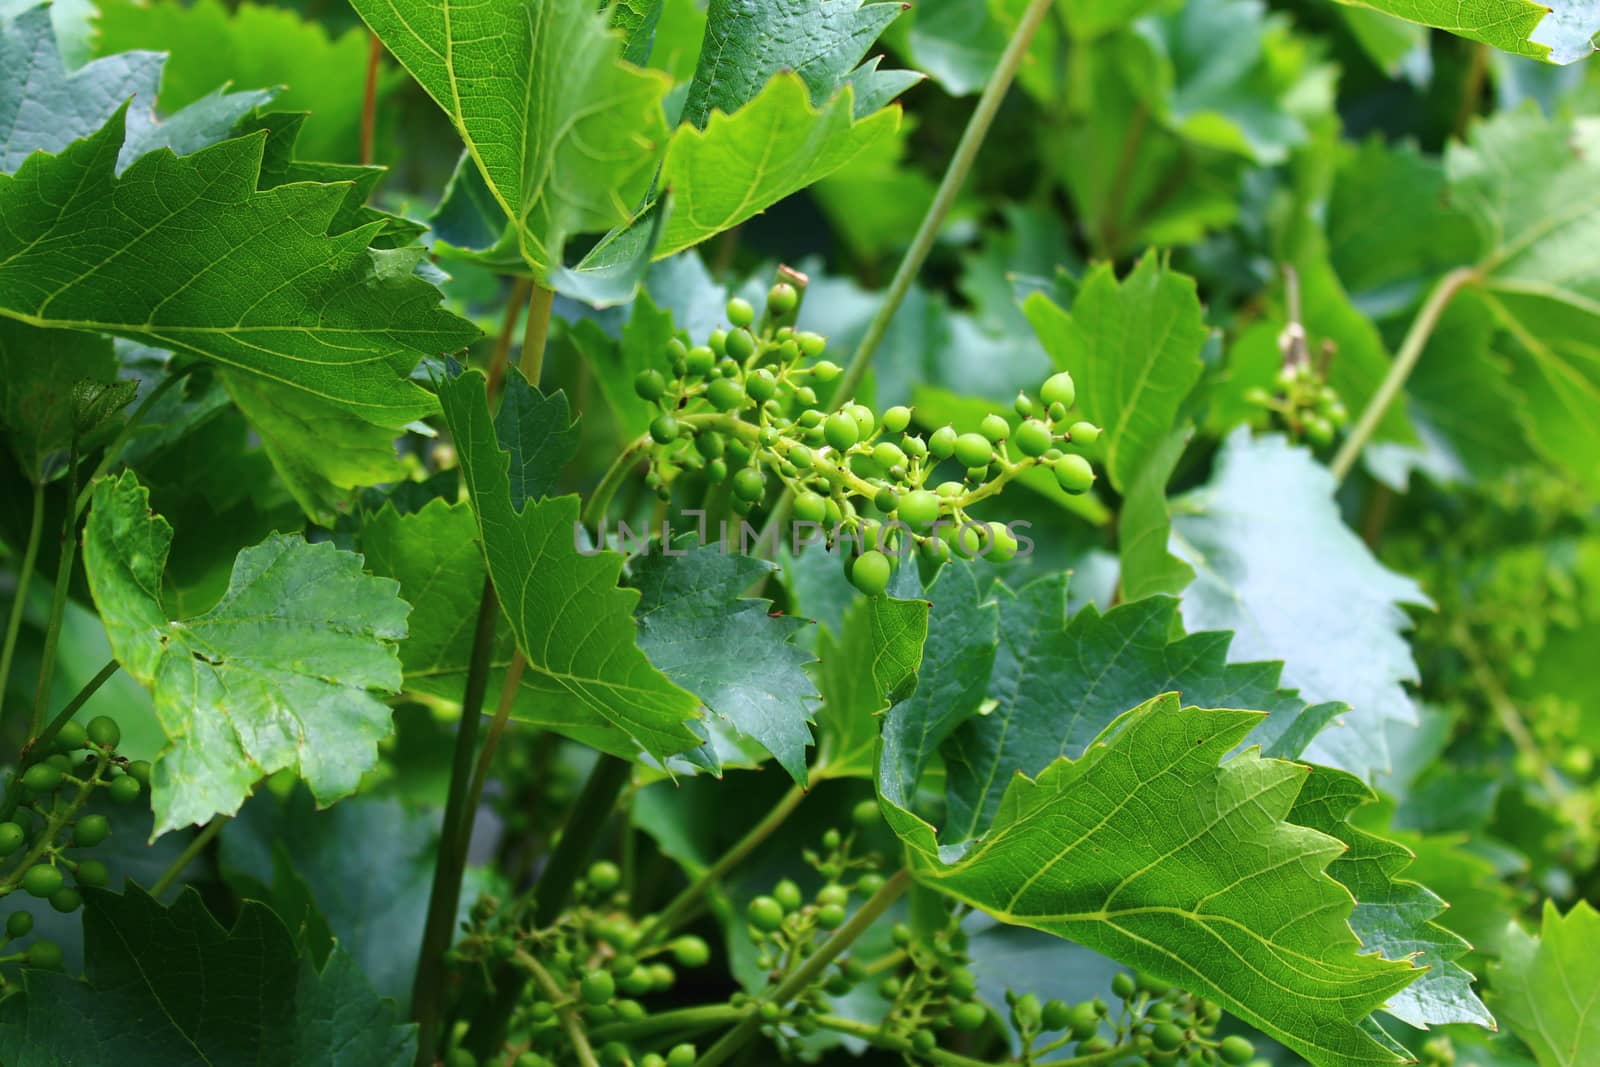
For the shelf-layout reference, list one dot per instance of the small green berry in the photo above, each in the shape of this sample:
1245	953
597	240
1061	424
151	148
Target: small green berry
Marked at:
95	874
604	876
42	880
682	1055
968	1015
1034	438
649	385
71	737
124	790
740	313
749	484
995	427
942	442
139	771
45	955
1166	1037
1084	433
41	778
699	361
104	732
1059	389
726	394
1123	985
664	429
788	895
810	507
741	345
919	509
782	299
11	838
1073	473
691	951
19	924
870	572
924	1041
761	385
1055	1015
825	371
841	431
830	916
973	450
597	987
1236	1050
66	900
896	419
830	840
765	914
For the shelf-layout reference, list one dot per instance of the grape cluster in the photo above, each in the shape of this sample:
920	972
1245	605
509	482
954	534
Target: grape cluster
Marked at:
600	962
47	820
749	410
1303	402
1164	1025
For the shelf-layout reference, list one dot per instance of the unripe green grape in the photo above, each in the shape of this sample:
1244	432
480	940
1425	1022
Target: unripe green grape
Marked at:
830	916
741	345
788	352
728	368
1059	389
1166	1037
1149	983
124	790
597	987
41	778
924	1041
841	431
1057	413
1236	1050
71	737
682	1055
1034	438
1073	473
886	500
139	771
1319	431
725	394
830	840
709	444
768	436
825	371
104	732
1083	433
890	987
664	429
677	352
973	450
870	572
19	924
749	484
599	1014
66	900
45	956
949	489
914	446
1123	985
636	982
995	427
970	540
896	419
542	1011
782	299
805	396
1025	1012
1159	1012
810	507
11	838
866	422
740	313
801	457
717	341
1084	1021
968	1015
42	880
717	471
1093	1047
604	876
615	1054
1002	546
662	977
788	895
699	361
919	508
1055	1015
691	951
761	385
942	442
650	385
887	454
765	914
94	874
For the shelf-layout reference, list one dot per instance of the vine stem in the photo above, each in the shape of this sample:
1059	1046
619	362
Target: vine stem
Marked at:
508	326
30	555
955	176
536	333
427	992
680	906
1405	361
33	751
369	100
808	972
570	1022
58	602
680	1020
206	835
1506	711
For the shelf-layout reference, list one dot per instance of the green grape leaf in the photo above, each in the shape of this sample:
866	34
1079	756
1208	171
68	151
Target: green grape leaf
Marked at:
1529	185
254	45
958	43
1147	850
39	371
435	556
333	853
564	132
282	673
1393	916
1275	563
749	43
745	161
1557	31
321	451
958	657
323	314
1144	526
571	620
863	671
741	661
199	995
636	20
1133	348
43	108
1057	684
1545	987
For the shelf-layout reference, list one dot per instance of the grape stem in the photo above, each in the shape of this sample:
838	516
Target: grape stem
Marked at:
680	1021
19	601
60	816
955	176
34	750
1405	361
682	904
809	971
369	100
568	1014
196	846
58	602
